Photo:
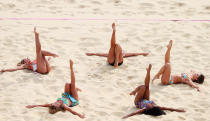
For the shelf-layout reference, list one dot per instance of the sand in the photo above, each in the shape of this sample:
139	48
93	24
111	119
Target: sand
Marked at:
105	95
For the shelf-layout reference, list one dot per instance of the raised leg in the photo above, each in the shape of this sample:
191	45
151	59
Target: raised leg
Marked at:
118	55
140	93
41	61
165	71
67	88
37	42
125	55
111	54
113	41
167	55
47	53
98	54
147	80
143	91
73	85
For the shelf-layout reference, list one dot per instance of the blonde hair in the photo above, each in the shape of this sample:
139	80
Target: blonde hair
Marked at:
53	109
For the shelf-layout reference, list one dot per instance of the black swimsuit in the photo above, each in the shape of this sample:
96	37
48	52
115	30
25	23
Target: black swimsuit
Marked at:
112	64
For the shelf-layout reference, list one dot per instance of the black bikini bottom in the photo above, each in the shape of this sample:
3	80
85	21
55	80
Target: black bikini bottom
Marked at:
112	64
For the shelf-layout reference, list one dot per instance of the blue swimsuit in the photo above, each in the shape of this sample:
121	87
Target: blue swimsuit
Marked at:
171	81
143	103
65	97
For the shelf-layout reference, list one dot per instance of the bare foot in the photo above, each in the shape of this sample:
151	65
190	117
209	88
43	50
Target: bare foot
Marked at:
36	33
155	77
71	63
170	44
113	27
133	93
149	67
54	56
116	64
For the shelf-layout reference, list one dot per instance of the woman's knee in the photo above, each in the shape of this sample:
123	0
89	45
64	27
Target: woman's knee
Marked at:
167	65
118	47
142	88
67	87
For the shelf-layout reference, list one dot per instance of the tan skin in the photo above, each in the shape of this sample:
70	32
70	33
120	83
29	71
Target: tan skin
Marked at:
115	55
165	73
43	65
69	88
142	92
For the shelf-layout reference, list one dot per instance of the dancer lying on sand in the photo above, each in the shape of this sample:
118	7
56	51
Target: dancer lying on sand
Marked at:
40	65
142	100
115	55
167	78
69	98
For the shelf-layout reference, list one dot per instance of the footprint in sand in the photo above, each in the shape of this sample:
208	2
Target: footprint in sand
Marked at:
96	2
118	114
101	113
181	118
207	7
179	4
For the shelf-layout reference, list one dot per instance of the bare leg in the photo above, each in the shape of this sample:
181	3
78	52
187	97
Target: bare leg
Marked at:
118	55
143	91
157	76
147	80
97	54
134	54
67	88
140	93
46	53
47	64
73	85
113	41
165	71
41	62
111	55
167	55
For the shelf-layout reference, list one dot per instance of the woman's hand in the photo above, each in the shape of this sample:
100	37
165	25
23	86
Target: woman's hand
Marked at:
181	110
198	89
82	116
2	70
124	117
30	106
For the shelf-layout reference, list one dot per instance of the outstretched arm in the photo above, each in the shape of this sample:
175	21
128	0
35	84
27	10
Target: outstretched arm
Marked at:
10	70
74	112
33	106
134	113
134	54
172	109
97	54
189	82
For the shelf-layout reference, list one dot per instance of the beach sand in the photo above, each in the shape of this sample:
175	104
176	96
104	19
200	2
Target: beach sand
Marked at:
105	90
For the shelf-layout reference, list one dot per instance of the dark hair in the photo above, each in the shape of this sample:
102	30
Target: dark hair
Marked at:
21	62
200	79
155	111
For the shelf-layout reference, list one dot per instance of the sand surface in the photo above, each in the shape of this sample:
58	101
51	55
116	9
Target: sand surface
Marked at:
105	95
